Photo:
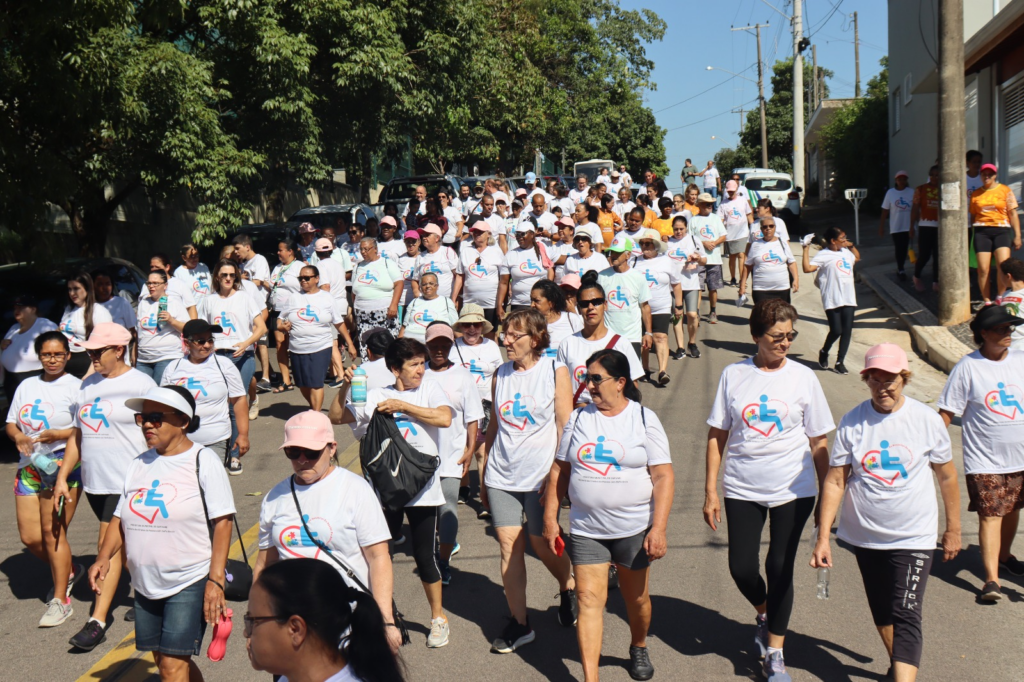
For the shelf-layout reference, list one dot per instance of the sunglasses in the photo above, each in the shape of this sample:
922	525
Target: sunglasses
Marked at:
595	379
581	303
306	278
778	338
154	418
293	453
227	275
202	342
98	353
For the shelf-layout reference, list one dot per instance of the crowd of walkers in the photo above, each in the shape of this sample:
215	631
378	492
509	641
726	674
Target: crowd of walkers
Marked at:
148	413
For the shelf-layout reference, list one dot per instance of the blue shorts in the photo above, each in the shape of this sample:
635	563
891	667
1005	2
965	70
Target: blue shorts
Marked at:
174	625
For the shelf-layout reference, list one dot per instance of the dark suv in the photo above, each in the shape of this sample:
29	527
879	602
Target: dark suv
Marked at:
398	191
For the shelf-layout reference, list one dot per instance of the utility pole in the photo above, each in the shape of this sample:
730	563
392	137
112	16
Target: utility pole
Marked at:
856	55
814	77
798	90
760	91
954	284
739	111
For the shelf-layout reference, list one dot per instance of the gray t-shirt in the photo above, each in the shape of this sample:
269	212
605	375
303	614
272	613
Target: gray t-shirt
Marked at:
690	175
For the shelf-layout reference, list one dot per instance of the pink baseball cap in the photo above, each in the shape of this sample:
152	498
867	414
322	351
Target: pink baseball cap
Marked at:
310	430
388	220
989	166
323	244
887	357
306	228
571	280
521	192
901	172
411	234
107	334
565	222
431	228
732	186
480	226
439	331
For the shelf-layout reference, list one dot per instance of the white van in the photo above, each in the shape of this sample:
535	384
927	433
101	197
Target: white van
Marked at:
777	187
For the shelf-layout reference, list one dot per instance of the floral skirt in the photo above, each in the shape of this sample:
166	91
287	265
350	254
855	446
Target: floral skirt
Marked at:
369	319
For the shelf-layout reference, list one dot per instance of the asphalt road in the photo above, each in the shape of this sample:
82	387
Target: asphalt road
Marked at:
702	627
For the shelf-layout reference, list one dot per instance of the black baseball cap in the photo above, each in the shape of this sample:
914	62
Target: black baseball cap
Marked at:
26	301
196	327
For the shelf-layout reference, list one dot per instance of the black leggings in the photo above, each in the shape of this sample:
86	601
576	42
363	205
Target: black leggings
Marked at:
901	242
840	326
927	249
745	522
758	296
423	536
894	580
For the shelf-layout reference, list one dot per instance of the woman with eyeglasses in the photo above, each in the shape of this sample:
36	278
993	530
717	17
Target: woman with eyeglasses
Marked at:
407	265
40	420
531	403
426	308
161	319
17	350
770	419
219	391
377	284
479	262
984	388
547	298
305	623
664	279
105	441
338	508
307	318
834	267
765	209
769	266
613	461
521	268
194	274
881	468
283	284
80	317
173	525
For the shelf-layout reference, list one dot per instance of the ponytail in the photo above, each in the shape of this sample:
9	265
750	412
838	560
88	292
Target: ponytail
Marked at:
366	647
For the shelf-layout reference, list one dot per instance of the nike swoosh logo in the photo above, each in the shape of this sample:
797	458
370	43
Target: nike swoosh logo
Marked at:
394	472
380	453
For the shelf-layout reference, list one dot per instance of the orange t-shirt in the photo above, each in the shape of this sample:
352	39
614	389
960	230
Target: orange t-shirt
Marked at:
649	217
607	221
687	206
926	198
664	227
991	207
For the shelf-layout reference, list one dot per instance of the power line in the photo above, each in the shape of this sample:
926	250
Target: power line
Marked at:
835	8
721	113
701	93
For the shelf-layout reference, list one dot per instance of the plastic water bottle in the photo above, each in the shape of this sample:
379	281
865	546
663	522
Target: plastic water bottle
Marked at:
823	574
741	301
162	309
358	393
42	458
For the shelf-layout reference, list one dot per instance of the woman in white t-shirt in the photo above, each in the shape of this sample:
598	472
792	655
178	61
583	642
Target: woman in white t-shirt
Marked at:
17	350
307	318
80	317
174	513
531	404
770	266
407	266
194	274
770	420
765	209
663	278
882	461
687	251
339	511
479	263
426	308
586	258
40	421
522	267
105	441
613	462
834	265
377	285
305	622
548	298
985	389
283	283
159	329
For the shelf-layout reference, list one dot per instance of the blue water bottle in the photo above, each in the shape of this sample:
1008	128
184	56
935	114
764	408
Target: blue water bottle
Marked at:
43	460
162	309
358	394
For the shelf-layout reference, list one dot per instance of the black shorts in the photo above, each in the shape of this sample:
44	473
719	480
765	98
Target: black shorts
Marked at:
988	239
660	323
103	506
491	315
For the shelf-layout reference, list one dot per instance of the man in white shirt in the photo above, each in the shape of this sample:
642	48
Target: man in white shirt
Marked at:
712	180
539	212
420	194
613	185
896	208
471	204
579	193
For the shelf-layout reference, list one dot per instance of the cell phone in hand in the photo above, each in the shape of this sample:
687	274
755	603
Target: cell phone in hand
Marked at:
559	546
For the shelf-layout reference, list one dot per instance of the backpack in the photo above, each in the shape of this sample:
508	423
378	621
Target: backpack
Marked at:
395	469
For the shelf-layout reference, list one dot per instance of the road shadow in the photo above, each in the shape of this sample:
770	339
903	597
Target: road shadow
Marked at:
969	561
283	411
743	350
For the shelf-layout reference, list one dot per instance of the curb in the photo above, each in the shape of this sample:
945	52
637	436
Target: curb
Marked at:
932	341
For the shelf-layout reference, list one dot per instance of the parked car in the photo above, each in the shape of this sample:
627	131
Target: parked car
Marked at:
744	172
398	191
265	238
327	216
778	187
50	284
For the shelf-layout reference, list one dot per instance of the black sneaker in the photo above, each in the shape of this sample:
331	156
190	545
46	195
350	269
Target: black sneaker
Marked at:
1013	565
463	494
235	467
566	503
733	282
694	351
823	359
991	592
334	382
901	276
513	636
92	634
640	667
678	354
841	368
568	608
483	514
264	386
446	572
129	615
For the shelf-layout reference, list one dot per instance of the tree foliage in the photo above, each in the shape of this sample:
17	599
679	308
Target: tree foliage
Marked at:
223	98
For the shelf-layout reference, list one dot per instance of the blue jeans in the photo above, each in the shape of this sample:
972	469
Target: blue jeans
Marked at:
246	366
713	191
155	370
174	625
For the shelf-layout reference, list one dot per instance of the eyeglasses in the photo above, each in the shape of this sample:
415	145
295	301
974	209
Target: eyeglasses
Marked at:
249	622
595	379
154	418
202	342
767	226
294	452
471	324
589	302
227	275
1004	329
98	353
779	338
154	284
513	336
887	386
306	278
47	357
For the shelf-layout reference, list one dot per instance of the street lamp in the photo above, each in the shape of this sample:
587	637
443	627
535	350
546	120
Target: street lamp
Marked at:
760	99
718	68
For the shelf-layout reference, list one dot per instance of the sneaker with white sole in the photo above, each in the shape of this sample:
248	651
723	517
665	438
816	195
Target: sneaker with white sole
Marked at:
56	613
254	409
568	608
235	467
774	668
513	636
91	634
439	632
455	550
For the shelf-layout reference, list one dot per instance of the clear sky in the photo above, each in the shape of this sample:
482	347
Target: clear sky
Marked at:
697	38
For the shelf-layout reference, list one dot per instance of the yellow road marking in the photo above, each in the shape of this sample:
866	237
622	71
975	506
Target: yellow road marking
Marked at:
124	664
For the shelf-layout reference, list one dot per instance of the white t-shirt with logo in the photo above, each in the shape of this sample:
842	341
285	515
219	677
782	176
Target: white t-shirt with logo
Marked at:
312	316
110	438
259	296
576	264
710	178
990	396
781	231
332	274
159	340
257	267
420	313
211	382
235	314
898	204
422	437
661	273
574	351
1013	301
524	404
165	532
479	270
121	310
734	214
374	284
460	387
392	250
526	269
769	417
481	360
708	228
890	495
38	405
407	266
285	282
624	293
565	326
21	356
72	324
609	482
545	220
578	195
678	252
769	263
556	251
444	263
342	512
197	279
835	277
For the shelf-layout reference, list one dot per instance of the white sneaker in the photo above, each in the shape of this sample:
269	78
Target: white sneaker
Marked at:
56	613
438	636
254	409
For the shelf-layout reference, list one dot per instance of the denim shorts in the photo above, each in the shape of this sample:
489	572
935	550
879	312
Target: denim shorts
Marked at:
174	625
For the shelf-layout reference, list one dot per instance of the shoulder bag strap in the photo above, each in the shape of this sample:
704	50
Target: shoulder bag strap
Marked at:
206	512
461	359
